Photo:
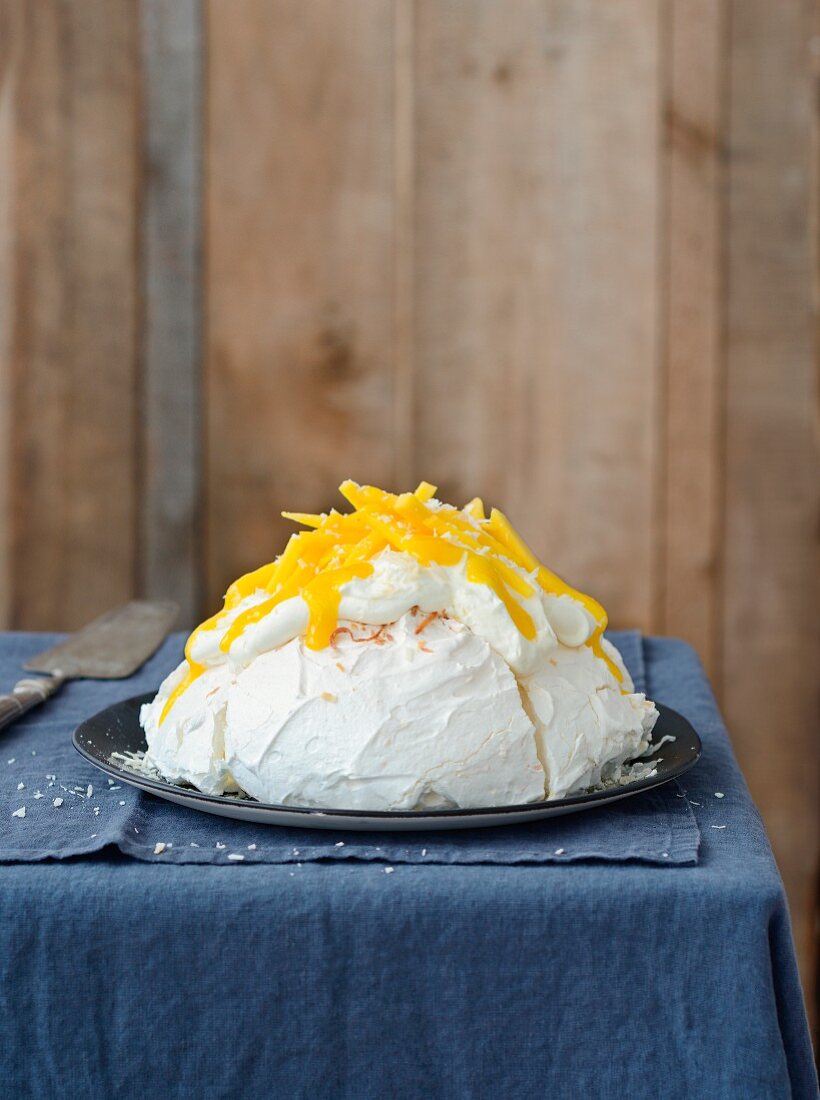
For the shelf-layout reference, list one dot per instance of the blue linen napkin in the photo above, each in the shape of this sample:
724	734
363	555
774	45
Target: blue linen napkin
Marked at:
71	808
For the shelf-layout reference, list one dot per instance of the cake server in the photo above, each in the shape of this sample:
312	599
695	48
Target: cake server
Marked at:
109	648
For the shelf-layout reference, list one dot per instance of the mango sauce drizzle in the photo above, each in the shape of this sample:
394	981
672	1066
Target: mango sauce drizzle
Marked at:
338	547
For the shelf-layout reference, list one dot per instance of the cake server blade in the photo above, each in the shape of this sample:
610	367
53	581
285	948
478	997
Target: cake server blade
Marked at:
112	646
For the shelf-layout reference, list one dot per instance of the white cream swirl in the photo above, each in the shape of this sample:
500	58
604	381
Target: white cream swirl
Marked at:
397	584
430	719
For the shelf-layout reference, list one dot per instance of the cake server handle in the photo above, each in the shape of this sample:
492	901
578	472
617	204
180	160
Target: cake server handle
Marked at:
25	694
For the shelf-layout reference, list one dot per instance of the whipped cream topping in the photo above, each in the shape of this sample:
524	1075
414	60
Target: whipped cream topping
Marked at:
190	746
405	655
398	583
400	721
586	723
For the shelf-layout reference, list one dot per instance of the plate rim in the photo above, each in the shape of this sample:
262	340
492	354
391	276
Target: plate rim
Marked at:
162	788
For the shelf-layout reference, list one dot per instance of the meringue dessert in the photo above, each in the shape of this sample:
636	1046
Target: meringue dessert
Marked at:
406	655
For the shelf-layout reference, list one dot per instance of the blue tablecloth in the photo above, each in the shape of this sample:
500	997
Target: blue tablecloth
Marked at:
333	978
39	765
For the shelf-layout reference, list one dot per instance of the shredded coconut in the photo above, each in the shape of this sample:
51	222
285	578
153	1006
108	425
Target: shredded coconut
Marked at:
621	775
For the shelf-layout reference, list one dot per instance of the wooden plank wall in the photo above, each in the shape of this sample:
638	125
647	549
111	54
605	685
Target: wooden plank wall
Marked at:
559	253
536	290
297	392
691	479
770	657
70	106
170	240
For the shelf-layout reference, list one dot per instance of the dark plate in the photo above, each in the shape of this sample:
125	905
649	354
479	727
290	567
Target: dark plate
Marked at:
117	729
